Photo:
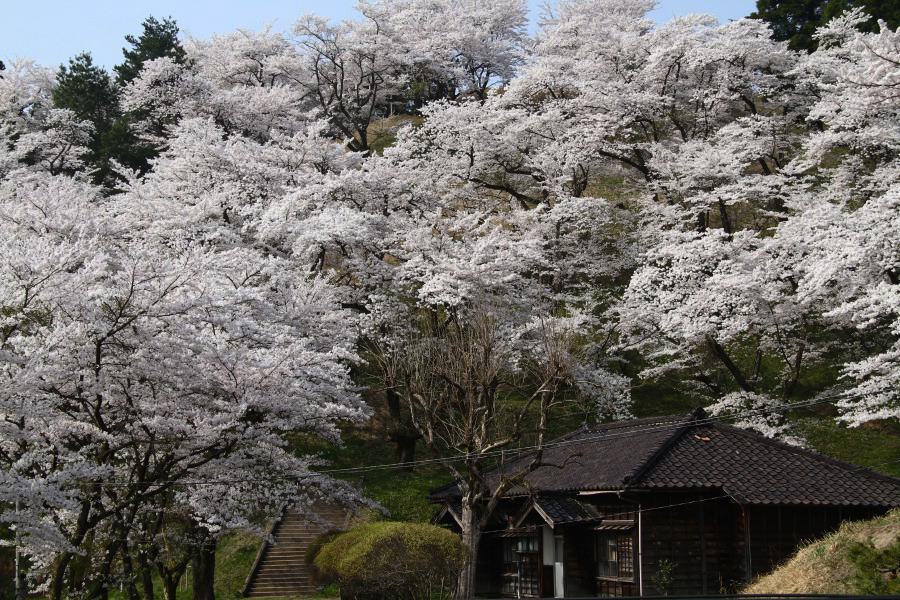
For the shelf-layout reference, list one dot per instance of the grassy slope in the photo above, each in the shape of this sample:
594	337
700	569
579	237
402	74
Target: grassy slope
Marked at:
876	446
383	133
861	558
234	558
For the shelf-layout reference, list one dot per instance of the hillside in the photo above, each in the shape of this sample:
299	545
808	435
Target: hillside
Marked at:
860	558
404	493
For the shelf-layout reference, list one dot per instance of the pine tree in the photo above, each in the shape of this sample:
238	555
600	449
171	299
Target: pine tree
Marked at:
88	91
796	21
159	39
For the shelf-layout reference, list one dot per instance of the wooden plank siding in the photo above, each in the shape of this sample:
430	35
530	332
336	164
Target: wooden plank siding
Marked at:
716	544
776	531
701	539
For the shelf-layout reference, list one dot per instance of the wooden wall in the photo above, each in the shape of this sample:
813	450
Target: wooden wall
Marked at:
777	531
700	538
708	538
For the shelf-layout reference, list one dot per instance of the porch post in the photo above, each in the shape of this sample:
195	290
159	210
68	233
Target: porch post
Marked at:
640	553
748	559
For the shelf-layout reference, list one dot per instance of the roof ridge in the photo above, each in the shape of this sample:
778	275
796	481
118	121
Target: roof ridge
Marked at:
627	423
523	456
813	454
657	452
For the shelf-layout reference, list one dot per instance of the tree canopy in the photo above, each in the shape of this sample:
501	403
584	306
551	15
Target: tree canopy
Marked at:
588	223
796	21
158	39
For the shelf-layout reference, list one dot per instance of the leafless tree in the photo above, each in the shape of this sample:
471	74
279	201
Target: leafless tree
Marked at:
472	393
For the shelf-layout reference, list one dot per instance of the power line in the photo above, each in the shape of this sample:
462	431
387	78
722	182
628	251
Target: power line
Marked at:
503	453
553	444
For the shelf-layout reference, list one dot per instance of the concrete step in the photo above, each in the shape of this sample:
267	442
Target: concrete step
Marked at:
282	569
281	592
286	580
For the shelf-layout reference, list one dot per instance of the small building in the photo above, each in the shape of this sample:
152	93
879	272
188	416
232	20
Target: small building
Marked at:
673	505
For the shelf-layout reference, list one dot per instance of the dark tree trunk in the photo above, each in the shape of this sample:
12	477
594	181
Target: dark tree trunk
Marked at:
403	436
170	587
146	576
723	356
59	574
726	220
147	583
406	449
130	578
701	221
204	568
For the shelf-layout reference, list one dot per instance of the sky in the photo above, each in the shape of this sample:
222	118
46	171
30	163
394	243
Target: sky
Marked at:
51	31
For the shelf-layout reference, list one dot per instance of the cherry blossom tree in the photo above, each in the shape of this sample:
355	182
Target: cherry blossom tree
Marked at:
150	341
350	70
689	201
458	48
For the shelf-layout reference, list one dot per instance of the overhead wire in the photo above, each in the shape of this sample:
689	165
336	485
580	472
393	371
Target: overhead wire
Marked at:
607	432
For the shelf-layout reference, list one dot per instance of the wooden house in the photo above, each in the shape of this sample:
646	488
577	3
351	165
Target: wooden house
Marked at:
674	505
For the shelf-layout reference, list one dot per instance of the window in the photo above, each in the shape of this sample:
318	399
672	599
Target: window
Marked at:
615	563
615	555
521	567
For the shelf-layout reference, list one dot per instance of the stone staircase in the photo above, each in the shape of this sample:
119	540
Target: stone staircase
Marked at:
280	569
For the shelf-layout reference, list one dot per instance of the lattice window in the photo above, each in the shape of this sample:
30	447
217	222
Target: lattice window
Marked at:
615	563
521	567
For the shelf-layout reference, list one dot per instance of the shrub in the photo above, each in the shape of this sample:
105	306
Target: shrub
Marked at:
408	561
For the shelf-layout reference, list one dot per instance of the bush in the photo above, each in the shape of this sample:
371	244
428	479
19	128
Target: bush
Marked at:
409	561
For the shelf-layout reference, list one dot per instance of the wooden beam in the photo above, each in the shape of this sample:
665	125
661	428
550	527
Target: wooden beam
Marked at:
702	546
748	559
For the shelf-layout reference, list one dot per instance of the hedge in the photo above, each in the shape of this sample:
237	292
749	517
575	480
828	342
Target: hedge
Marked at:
407	561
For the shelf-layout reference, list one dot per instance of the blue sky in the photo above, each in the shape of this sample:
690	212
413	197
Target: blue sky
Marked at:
51	31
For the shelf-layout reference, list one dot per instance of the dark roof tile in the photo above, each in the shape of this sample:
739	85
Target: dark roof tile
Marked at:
691	451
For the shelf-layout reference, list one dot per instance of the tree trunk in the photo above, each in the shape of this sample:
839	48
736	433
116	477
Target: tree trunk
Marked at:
130	578
170	587
403	436
471	538
723	356
726	221
146	576
204	568
406	450
702	221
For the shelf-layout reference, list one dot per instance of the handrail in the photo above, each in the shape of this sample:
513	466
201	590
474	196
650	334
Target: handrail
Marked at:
259	553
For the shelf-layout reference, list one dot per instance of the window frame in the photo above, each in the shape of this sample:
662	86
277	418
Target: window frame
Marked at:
621	544
522	565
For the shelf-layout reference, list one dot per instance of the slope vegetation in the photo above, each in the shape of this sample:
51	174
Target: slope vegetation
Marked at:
862	557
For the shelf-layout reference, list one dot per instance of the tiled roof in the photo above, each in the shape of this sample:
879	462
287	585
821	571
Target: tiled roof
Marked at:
562	509
690	452
595	458
756	470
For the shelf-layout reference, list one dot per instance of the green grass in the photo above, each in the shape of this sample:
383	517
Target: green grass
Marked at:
234	559
404	494
383	133
876	446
